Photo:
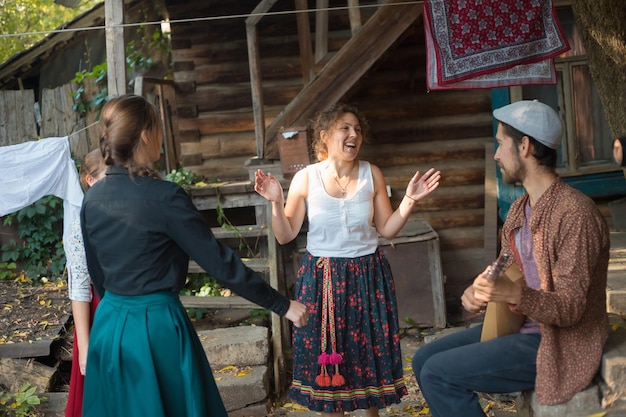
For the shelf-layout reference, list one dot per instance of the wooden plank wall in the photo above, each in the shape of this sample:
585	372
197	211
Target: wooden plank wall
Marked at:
19	121
17	117
411	128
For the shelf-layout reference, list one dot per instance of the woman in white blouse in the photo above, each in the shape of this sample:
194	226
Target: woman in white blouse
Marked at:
84	300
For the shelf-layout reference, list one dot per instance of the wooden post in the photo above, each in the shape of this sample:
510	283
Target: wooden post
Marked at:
321	30
304	39
490	226
116	59
255	75
355	16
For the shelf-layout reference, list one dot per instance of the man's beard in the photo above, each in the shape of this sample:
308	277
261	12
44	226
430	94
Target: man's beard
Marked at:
514	175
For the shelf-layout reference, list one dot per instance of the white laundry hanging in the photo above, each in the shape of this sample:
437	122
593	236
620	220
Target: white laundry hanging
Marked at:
34	169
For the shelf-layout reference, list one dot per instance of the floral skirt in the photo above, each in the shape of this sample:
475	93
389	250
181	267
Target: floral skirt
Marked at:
348	355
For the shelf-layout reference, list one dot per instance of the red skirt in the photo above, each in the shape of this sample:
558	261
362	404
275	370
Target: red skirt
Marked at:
74	406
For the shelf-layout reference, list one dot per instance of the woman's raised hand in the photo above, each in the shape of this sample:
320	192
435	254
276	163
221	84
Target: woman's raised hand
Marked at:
268	186
420	186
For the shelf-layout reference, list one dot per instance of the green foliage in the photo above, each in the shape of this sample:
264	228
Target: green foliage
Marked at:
137	53
183	177
7	270
258	317
40	226
22	403
226	224
99	74
21	16
201	285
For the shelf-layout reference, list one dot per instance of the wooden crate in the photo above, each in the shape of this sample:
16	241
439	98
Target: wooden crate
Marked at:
416	265
294	149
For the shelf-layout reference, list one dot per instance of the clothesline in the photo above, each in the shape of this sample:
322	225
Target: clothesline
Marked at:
83	129
203	19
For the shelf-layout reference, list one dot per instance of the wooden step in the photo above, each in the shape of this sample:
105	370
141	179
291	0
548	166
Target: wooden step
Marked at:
241	231
260	265
191	301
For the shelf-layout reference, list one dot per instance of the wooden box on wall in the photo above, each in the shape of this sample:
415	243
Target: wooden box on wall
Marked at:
416	266
294	150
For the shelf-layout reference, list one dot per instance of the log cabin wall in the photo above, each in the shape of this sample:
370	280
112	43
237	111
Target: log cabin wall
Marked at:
411	128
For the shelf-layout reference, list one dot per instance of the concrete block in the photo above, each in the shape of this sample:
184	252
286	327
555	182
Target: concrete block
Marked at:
616	302
239	392
581	405
613	368
53	405
240	346
261	409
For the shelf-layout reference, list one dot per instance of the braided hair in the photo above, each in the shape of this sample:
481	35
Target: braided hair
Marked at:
122	122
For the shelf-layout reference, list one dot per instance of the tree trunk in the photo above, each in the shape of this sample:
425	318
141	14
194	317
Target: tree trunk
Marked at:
603	28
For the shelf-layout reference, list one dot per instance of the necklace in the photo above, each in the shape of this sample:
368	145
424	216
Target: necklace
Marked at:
344	191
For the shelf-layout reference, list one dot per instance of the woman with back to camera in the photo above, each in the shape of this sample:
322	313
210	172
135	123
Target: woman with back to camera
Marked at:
348	356
84	301
145	358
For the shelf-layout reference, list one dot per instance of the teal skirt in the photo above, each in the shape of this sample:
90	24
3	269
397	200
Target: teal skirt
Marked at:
145	359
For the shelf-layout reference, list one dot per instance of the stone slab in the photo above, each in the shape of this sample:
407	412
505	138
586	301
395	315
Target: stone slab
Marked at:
616	302
582	404
241	346
613	367
239	392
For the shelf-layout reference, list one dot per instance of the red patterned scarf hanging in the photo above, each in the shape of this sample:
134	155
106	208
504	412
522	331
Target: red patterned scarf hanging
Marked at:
491	43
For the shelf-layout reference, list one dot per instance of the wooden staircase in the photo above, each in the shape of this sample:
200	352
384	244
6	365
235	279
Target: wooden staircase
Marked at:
340	73
238	195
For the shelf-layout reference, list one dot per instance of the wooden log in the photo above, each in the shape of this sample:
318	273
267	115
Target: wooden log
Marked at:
321	30
216	302
224	168
222	145
15	372
456	173
203	53
461	237
212	123
448	219
116	69
304	40
271	69
410	153
407	106
235	96
355	16
192	135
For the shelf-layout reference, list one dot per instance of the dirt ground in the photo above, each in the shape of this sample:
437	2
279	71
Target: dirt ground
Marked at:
32	313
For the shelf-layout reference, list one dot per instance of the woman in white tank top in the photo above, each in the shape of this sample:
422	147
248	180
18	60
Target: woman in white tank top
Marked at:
348	355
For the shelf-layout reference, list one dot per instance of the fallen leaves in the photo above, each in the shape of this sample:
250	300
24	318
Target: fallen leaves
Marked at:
238	371
32	313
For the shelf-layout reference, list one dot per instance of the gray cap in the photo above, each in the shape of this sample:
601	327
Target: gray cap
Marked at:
534	119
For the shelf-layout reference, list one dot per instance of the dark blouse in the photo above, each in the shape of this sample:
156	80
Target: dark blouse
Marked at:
140	232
